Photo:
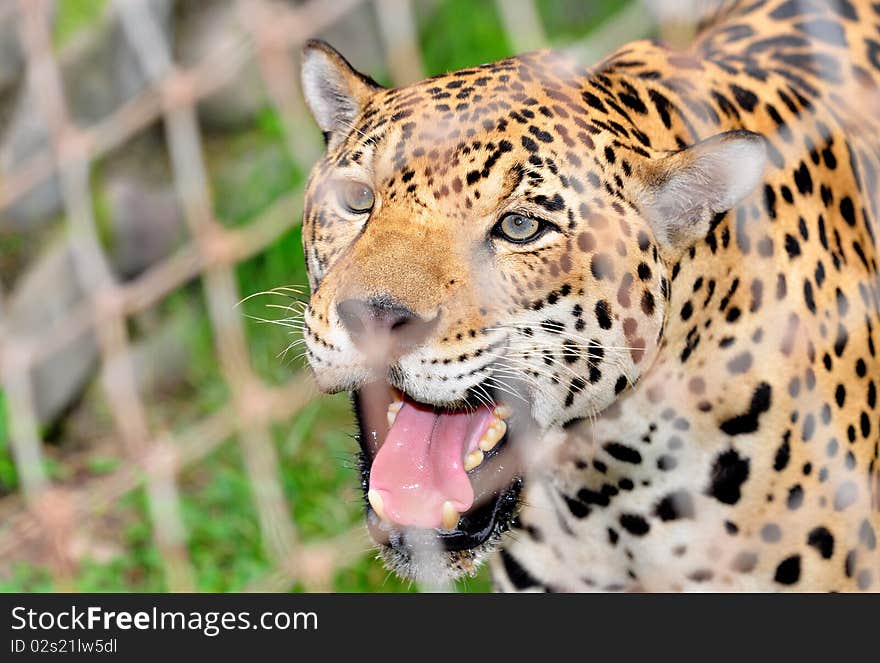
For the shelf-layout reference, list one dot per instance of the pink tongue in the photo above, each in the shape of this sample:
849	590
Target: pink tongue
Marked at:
420	464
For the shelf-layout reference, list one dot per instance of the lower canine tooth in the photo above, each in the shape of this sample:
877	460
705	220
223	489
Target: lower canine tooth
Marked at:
393	409
495	432
375	499
450	516
473	459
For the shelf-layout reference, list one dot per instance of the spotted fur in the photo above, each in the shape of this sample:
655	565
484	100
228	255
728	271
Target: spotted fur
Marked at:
715	377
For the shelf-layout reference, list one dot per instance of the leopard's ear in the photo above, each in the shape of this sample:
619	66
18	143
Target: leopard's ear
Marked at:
682	191
334	91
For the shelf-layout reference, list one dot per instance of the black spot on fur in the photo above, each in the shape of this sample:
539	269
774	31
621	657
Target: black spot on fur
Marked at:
822	540
783	453
795	497
634	524
729	472
554	204
748	422
803	180
663	106
847	211
529	144
519	577
542	136
623	453
603	314
789	570
745	98
673	506
577	508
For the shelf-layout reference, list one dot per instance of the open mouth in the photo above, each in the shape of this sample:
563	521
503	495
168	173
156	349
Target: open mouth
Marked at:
446	471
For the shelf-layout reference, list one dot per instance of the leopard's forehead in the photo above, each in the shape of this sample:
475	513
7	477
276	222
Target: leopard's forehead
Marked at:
535	104
463	103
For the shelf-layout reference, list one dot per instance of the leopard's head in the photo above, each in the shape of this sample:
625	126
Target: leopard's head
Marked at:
489	260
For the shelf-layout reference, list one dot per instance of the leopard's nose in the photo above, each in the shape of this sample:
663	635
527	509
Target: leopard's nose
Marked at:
381	324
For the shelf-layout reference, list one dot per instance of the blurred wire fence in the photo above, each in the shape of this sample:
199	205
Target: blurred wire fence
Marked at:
91	333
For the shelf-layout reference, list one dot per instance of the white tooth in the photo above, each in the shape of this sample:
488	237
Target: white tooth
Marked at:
495	432
502	411
473	459
375	499
450	516
393	409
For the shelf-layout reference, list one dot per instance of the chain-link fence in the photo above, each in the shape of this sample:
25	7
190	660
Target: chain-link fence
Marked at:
40	517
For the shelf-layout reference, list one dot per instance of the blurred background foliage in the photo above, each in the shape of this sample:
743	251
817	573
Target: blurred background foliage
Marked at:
249	169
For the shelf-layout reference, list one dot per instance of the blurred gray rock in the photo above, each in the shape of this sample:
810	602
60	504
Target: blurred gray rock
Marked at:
44	298
11	56
102	73
146	224
160	359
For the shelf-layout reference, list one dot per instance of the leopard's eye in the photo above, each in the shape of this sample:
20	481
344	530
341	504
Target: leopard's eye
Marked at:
519	229
356	197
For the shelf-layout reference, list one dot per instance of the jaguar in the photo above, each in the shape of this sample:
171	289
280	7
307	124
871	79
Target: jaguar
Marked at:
612	328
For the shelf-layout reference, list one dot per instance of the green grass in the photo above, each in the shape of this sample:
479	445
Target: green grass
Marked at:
219	515
72	16
26	577
138	569
461	33
8	474
249	172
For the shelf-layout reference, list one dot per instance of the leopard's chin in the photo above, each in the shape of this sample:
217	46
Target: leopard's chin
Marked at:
441	482
422	555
